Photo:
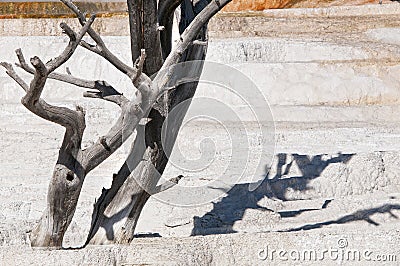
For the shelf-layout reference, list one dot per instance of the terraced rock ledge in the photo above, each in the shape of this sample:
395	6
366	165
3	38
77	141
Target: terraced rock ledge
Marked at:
331	78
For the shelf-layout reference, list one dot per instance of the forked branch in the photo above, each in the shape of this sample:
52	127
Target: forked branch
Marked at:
70	119
57	76
75	39
61	115
101	49
11	72
131	114
192	30
187	38
102	89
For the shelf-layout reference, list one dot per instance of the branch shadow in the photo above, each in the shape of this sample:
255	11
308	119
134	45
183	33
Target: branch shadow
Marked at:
361	215
231	208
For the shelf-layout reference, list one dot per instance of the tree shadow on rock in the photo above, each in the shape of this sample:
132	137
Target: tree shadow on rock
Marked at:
310	168
362	215
231	208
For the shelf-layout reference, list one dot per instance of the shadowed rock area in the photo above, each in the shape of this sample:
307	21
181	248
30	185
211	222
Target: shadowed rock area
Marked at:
331	78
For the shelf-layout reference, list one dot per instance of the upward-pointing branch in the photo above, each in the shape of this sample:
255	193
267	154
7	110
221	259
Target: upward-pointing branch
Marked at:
75	39
131	114
188	36
70	119
192	30
100	89
101	49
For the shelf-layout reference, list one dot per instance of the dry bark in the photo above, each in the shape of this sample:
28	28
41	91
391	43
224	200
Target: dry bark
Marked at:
118	209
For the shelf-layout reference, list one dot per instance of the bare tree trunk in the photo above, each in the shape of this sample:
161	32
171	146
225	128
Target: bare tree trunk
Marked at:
126	198
118	208
62	197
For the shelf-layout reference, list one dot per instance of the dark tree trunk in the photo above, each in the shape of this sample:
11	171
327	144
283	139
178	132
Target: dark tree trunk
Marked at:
118	209
125	188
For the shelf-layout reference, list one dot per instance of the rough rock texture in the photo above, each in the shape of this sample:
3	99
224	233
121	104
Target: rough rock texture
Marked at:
52	8
281	22
237	249
337	58
240	5
306	172
333	84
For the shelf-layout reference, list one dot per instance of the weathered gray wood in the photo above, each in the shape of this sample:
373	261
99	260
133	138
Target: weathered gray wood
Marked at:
68	174
192	30
130	189
151	38
135	26
100	48
118	208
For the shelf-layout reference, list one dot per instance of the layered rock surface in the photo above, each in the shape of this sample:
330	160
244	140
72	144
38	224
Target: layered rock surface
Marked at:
333	89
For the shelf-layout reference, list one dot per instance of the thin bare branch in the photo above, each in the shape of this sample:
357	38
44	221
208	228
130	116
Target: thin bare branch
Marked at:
60	115
167	185
82	20
57	76
75	39
11	72
102	89
83	83
139	66
22	63
91	47
68	31
101	49
192	30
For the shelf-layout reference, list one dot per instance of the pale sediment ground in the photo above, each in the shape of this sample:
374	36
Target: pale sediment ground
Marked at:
333	87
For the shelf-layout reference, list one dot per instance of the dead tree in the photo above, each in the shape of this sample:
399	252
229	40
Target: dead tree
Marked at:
116	212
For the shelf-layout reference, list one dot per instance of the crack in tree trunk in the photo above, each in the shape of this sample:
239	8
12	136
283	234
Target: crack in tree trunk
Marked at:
125	187
118	208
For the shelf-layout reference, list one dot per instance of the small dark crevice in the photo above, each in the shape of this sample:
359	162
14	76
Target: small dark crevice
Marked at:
383	163
104	143
326	203
70	177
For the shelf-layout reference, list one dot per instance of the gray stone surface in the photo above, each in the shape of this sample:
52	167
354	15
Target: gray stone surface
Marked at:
236	249
334	177
298	71
358	168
